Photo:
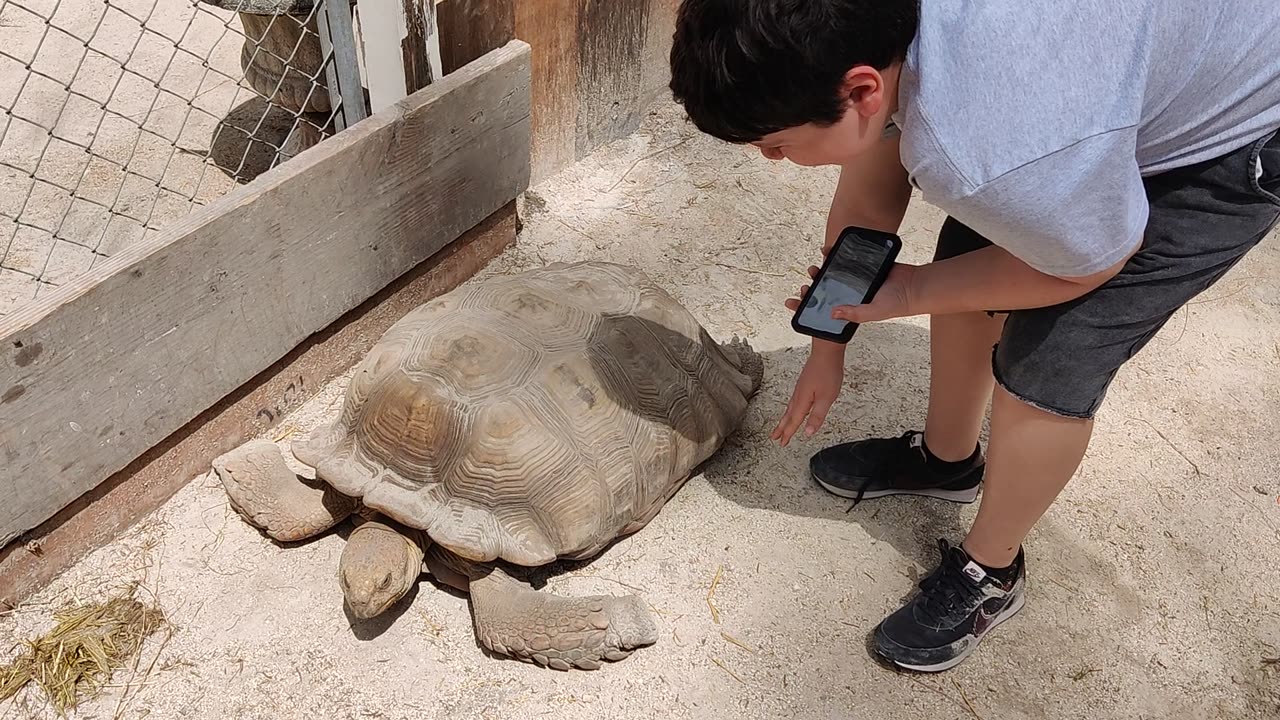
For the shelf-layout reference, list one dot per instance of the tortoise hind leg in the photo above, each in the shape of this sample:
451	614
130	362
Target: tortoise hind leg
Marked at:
747	360
271	497
513	619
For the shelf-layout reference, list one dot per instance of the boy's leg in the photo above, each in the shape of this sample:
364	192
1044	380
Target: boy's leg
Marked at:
960	381
960	378
943	461
1031	457
1053	366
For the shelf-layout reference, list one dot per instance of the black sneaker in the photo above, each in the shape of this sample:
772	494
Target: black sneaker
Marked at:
957	606
878	467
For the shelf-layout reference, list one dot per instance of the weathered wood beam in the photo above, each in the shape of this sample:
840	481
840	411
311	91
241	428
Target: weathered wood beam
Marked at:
101	370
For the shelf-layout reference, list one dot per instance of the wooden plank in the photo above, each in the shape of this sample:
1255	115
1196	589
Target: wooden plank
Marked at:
471	28
551	29
420	46
611	40
253	410
107	366
382	26
342	73
330	66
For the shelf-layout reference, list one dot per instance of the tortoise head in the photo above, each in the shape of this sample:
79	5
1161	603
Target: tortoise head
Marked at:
380	565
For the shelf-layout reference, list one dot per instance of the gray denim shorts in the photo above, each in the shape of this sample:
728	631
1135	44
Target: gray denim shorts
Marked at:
1203	220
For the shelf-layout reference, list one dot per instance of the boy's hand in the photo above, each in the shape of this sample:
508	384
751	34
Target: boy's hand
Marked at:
816	390
892	300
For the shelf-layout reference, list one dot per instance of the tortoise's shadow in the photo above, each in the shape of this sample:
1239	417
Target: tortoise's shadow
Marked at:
367	629
373	628
364	629
885	393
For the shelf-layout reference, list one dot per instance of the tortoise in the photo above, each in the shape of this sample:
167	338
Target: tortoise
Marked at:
513	422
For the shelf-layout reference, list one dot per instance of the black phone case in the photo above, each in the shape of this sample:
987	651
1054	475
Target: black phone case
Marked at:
895	245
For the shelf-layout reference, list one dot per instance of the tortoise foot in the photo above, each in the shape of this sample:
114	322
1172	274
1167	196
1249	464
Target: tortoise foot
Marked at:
558	632
747	360
269	496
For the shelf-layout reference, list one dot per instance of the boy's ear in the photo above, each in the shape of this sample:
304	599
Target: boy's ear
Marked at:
864	89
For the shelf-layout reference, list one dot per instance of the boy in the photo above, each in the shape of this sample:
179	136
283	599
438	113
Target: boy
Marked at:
1101	163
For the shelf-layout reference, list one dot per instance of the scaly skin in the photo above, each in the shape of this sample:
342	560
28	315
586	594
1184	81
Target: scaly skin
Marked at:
380	564
271	497
513	619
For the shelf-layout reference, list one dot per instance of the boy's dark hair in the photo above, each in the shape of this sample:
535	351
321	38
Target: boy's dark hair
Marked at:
747	68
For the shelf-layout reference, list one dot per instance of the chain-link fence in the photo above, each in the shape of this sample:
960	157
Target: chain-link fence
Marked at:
121	116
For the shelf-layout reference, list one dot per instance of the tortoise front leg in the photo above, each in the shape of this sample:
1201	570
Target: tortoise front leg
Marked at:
513	619
271	497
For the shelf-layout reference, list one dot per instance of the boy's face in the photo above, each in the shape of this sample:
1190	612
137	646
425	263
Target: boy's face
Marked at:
871	99
812	145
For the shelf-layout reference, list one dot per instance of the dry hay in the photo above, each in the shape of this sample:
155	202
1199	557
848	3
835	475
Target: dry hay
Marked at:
89	642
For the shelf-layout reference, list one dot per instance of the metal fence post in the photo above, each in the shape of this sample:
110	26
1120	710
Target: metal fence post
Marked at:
342	73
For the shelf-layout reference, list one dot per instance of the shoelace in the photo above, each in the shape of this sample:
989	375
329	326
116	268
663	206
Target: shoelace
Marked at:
946	590
890	465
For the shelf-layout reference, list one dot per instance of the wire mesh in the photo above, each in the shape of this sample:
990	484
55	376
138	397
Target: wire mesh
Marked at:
121	116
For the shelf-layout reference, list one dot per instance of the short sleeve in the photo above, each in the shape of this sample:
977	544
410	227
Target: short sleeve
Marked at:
1070	213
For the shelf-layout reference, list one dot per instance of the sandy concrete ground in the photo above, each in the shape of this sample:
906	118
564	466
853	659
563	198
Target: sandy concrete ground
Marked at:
1153	587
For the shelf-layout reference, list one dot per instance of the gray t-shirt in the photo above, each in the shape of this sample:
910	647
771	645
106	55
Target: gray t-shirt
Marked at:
1034	121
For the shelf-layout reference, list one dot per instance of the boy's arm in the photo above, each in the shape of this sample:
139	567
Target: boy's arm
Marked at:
988	279
992	278
1078	215
873	192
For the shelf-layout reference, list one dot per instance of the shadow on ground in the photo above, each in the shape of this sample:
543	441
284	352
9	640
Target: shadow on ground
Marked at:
886	367
887	372
246	141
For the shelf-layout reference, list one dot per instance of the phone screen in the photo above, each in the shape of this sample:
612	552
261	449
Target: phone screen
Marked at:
849	275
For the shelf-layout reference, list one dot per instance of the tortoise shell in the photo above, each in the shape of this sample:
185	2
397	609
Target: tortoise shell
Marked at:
533	416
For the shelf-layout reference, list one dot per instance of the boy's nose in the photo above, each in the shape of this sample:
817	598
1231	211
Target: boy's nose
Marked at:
771	153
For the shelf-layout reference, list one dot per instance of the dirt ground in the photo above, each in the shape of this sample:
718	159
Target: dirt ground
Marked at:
1152	582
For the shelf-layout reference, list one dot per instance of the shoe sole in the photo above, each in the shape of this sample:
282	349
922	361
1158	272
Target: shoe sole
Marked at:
1005	614
967	495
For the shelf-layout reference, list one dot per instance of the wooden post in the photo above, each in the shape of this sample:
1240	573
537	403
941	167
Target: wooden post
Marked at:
471	28
421	44
597	64
401	54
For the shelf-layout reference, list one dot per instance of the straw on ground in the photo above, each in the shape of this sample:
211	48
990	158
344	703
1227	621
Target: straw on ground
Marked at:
90	641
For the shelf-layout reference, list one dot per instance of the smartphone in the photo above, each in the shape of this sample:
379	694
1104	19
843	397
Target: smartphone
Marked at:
854	270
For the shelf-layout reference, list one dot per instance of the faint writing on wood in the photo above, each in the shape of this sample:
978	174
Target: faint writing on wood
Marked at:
292	396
